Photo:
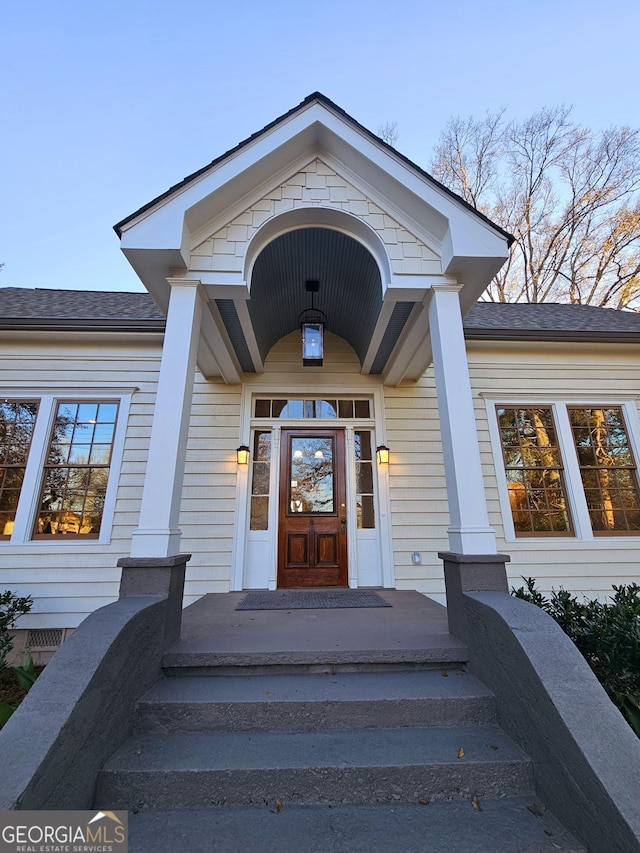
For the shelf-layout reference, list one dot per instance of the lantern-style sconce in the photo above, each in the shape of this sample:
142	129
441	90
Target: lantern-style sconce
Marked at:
312	323
243	454
382	454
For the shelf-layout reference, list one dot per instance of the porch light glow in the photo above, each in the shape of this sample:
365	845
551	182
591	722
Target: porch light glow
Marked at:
243	454
312	344
312	322
382	454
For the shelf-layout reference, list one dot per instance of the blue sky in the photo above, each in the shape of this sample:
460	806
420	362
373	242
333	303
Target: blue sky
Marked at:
106	105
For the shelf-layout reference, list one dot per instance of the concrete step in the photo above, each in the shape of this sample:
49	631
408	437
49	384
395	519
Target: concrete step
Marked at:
277	702
193	662
506	825
198	770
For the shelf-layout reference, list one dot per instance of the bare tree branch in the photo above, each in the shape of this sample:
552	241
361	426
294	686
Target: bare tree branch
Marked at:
389	132
569	196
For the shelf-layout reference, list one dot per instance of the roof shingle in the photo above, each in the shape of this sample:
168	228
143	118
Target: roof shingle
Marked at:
78	309
547	319
40	308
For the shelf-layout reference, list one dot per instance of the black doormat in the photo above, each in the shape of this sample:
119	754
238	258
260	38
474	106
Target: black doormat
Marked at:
312	599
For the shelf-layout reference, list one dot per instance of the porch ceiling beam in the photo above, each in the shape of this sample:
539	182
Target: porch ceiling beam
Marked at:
249	334
378	334
413	346
220	351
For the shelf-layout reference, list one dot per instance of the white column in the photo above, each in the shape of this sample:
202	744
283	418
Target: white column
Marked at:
469	531
158	534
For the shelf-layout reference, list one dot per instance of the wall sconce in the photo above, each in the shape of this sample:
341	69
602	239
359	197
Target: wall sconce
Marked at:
243	454
382	454
312	322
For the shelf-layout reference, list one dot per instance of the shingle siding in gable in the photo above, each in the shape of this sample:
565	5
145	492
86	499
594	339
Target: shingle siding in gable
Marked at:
316	184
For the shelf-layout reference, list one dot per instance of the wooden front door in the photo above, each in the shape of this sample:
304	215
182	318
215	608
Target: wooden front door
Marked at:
312	517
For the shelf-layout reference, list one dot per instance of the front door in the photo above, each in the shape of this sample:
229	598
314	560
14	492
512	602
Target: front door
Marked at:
312	517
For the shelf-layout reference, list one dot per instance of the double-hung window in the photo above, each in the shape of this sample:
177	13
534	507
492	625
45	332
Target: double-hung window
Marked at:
76	471
56	458
607	469
598	469
534	471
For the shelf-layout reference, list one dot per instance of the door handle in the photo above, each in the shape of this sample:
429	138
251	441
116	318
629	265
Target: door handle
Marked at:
343	525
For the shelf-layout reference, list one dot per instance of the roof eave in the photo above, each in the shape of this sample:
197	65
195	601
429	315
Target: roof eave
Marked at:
81	325
556	336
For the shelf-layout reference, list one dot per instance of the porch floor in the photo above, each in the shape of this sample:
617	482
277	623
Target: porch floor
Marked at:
413	629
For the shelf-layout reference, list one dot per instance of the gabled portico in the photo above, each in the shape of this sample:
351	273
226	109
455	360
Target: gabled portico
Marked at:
399	259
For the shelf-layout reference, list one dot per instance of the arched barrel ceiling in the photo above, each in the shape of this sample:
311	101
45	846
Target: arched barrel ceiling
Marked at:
350	292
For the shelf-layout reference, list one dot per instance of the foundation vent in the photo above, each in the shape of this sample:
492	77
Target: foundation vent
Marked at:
44	638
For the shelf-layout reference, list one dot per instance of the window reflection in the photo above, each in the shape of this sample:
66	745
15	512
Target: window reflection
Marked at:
261	469
366	519
77	470
311	480
17	421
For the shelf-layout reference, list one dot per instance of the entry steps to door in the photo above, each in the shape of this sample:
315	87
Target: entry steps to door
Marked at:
377	760
503	826
342	700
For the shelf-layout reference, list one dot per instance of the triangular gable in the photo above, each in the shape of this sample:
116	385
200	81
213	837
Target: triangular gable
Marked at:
315	160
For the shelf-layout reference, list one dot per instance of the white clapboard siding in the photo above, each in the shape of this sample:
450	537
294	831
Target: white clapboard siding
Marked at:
70	579
209	489
546	373
417	485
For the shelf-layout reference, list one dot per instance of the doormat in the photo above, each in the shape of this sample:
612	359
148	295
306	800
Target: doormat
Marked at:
312	599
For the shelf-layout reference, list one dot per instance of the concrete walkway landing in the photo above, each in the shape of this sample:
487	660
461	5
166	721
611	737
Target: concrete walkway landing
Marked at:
414	629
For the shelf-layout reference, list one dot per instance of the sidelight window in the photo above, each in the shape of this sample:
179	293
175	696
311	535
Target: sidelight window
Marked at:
364	480
260	477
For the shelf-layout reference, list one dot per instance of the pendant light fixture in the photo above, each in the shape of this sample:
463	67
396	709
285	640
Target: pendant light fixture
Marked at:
312	322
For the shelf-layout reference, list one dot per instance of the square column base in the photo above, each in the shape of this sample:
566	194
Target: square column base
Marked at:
161	576
470	573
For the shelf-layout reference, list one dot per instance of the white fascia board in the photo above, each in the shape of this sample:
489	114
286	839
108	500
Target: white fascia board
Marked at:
187	200
153	267
435	215
406	288
315	127
411	212
454	212
469	240
224	285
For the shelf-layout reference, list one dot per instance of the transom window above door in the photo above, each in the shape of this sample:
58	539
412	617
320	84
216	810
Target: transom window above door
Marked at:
325	409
